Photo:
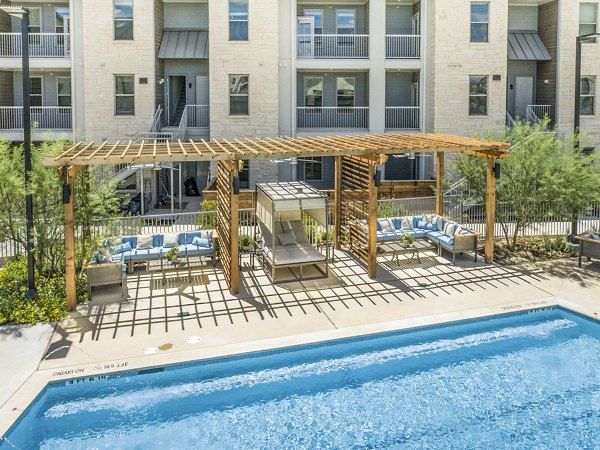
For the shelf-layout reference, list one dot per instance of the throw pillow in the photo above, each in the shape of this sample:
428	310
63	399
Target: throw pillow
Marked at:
286	238
121	248
112	241
386	225
144	242
421	224
449	229
201	242
406	223
428	217
170	240
206	235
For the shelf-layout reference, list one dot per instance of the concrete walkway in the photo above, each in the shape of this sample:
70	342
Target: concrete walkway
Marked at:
189	315
21	349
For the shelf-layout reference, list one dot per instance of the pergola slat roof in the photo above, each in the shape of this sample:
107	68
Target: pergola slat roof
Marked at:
90	154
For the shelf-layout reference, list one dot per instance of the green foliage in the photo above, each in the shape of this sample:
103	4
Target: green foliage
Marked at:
92	201
407	238
172	255
245	240
49	304
325	236
558	245
540	168
207	221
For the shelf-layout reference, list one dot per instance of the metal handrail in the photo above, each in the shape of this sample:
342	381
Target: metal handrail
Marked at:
402	46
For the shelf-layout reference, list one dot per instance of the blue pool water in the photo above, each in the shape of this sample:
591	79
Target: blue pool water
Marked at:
519	381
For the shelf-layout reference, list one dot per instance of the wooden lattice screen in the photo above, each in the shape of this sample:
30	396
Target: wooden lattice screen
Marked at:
227	223
357	208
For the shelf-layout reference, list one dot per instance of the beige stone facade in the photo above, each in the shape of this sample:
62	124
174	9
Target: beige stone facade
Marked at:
104	58
453	58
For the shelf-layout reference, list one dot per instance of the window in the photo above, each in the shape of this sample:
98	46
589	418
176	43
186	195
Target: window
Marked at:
238	95
61	15
123	20
313	168
345	92
64	91
35	20
480	18
588	18
313	92
345	22
238	20
318	18
478	95
587	96
124	95
36	95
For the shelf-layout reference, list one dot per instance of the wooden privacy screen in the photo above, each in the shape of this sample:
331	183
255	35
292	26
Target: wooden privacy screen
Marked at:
227	223
357	208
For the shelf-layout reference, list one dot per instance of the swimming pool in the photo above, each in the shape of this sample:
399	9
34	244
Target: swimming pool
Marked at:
516	381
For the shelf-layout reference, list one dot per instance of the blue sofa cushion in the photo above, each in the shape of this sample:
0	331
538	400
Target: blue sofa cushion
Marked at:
194	250
122	248
386	236
116	258
397	222
131	239
189	237
425	225
446	241
415	233
434	236
157	240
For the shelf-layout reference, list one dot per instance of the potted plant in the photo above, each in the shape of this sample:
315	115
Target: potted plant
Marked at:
173	256
407	240
245	242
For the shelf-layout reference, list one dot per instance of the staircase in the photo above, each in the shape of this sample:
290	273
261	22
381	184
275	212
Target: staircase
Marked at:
175	118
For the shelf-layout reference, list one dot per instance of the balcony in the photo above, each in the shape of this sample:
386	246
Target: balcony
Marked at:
42	117
41	45
195	122
402	46
402	117
333	117
333	46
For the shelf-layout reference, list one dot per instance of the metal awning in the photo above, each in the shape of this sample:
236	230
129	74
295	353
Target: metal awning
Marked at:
526	47
184	45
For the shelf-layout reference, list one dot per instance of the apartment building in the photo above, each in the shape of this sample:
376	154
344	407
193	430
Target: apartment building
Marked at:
226	69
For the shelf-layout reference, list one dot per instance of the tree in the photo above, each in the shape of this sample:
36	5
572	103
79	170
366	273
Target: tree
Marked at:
540	168
93	201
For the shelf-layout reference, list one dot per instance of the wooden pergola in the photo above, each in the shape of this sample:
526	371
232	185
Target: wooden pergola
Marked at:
356	160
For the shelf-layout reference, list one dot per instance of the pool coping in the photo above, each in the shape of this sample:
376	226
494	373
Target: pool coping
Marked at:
18	403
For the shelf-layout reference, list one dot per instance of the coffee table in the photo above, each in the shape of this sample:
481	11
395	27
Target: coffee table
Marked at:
397	248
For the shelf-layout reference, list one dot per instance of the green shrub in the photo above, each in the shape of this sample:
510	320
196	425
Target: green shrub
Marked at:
207	221
49	305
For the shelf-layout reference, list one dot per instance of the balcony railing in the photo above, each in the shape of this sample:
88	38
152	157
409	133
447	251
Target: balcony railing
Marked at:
537	113
333	117
42	117
403	46
41	45
402	117
198	116
333	46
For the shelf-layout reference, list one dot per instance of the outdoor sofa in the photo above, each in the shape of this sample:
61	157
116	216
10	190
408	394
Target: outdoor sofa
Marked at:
141	248
589	245
445	233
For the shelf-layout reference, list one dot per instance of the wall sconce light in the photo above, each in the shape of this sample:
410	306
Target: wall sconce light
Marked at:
66	193
377	177
236	185
496	170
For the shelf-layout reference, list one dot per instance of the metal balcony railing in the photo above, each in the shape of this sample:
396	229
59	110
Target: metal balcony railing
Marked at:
42	117
537	113
198	116
41	45
403	46
402	117
333	46
333	117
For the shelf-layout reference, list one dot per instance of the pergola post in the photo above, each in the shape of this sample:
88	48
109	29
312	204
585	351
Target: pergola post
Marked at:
228	221
439	184
372	219
337	226
490	210
234	221
68	176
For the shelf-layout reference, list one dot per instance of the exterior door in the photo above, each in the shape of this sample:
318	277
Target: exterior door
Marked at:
416	24
202	90
306	37
67	41
523	96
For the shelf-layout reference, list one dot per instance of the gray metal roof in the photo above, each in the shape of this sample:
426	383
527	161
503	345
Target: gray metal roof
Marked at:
526	47
184	45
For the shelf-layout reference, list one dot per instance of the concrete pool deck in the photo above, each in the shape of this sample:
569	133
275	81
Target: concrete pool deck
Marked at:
162	315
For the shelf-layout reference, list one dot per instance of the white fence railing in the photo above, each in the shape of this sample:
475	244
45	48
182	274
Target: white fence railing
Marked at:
333	46
536	113
402	117
198	116
42	117
403	46
41	45
333	117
